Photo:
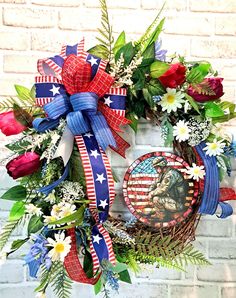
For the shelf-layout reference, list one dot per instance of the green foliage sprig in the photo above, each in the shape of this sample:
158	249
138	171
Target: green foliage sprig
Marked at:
106	39
6	232
58	278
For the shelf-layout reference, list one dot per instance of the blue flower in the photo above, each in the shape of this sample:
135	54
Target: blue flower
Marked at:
159	54
231	149
38	255
112	280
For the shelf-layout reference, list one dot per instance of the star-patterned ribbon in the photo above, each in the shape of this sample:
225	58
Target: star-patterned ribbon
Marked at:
53	87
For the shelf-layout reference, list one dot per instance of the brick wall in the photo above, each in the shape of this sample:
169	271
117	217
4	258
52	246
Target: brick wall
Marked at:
30	29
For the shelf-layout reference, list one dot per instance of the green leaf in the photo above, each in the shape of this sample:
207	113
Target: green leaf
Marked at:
224	105
17	211
120	42
198	73
99	51
35	224
155	88
78	216
33	92
16	193
193	103
128	52
139	77
125	277
148	98
22	115
169	137
224	118
134	121
149	54
98	286
16	244
119	267
213	110
23	93
88	264
158	68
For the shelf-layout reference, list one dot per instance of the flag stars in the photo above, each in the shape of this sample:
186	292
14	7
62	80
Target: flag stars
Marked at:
100	178
93	61
94	153
96	239
103	203
55	90
108	101
88	135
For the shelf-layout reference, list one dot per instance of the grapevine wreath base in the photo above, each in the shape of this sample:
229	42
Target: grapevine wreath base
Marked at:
65	123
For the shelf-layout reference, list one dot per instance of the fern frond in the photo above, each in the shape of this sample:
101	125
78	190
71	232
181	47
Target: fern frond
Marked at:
142	42
60	281
190	255
203	88
106	30
44	279
6	232
9	103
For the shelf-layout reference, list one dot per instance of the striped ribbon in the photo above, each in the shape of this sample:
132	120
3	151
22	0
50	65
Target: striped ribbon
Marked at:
211	190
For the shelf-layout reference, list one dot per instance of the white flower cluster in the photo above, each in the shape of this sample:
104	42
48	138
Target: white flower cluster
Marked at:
123	74
52	136
70	191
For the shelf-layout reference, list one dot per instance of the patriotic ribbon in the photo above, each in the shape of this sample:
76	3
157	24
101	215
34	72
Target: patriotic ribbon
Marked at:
211	190
82	76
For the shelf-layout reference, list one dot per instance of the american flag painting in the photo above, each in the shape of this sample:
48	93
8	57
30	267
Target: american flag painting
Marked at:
158	191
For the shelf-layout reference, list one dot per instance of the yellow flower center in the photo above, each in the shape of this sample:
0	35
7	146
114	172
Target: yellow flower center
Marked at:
214	146
59	247
196	171
170	98
182	130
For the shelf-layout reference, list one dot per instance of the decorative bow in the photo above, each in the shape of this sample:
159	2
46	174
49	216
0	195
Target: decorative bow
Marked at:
93	120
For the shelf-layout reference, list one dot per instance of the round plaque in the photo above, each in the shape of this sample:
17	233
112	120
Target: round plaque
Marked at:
157	190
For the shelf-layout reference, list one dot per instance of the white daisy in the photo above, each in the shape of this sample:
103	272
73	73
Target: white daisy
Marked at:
33	210
61	247
181	131
214	148
66	210
196	172
172	100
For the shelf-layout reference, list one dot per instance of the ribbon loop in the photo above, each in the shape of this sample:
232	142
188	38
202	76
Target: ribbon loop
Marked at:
58	107
77	123
84	101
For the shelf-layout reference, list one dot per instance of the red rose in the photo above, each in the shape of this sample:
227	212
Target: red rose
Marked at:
174	76
215	85
23	165
9	125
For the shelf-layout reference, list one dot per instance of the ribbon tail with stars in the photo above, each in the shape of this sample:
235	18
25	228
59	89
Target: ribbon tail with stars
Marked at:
101	193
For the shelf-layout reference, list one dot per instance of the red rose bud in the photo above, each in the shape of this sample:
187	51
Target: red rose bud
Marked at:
216	86
174	76
9	125
23	165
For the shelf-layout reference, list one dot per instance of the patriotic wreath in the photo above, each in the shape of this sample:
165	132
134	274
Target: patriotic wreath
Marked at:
65	123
